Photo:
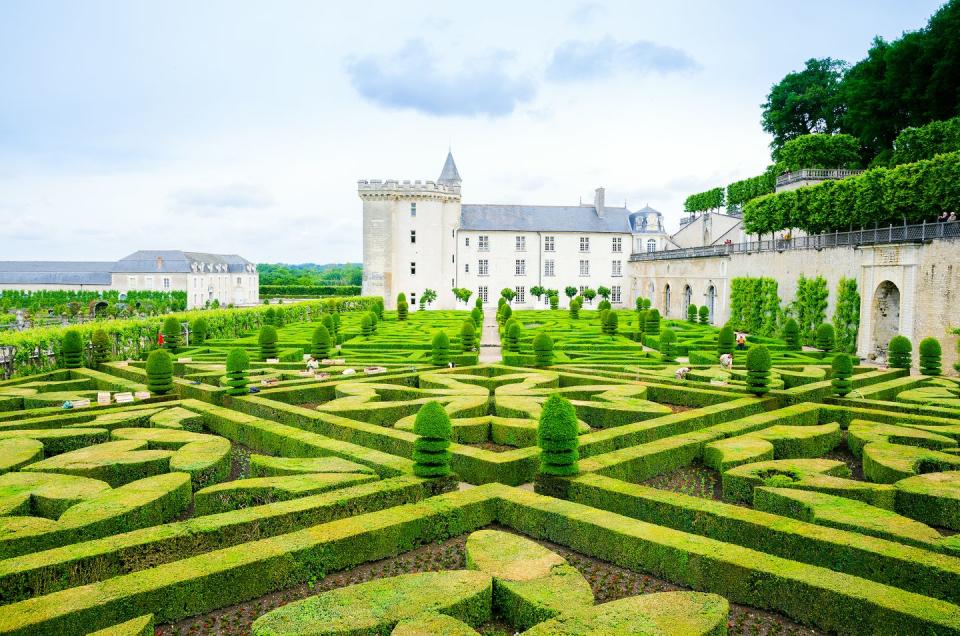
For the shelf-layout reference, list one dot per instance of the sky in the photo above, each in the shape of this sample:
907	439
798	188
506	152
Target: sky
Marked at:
242	127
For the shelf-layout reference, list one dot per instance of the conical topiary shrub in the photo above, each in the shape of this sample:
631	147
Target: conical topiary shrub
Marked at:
270	316
430	455
477	315
898	353
651	324
320	343
101	347
374	320
327	321
237	364
478	303
574	309
842	371
668	341
378	307
543	349
440	353
825	337
929	350
514	333
171	334
268	342
199	331
554	301
403	309
726	340
692	313
704	313
557	437
72	349
791	334
611	324
160	372
468	336
366	327
604	304
758	370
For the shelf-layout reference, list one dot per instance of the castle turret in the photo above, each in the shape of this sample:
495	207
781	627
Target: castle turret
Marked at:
449	175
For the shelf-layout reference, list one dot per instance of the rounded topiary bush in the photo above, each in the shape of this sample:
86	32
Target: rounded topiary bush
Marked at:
320	343
825	337
366	328
477	315
704	313
171	334
692	313
378	307
898	353
604	304
402	310
468	335
726	340
575	309
199	331
327	321
431	457
758	370
929	350
668	341
842	370
440	349
160	371
791	334
270	316
514	333
268	342
554	301
641	320
543	349
611	324
101	347
478	303
651	324
237	364
557	437
72	349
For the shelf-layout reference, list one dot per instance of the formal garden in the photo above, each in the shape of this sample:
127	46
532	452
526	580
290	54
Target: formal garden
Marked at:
334	468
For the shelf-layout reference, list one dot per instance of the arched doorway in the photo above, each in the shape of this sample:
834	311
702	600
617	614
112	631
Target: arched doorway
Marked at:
687	297
711	301
886	316
666	300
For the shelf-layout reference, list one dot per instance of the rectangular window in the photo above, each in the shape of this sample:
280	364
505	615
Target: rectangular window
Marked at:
483	243
617	244
413	299
166	283
413	236
521	243
521	296
521	267
453	258
582	287
615	293
617	268
466	268
413	210
413	268
131	281
584	268
584	243
549	243
482	293
548	267
238	281
483	267
148	282
651	246
466	241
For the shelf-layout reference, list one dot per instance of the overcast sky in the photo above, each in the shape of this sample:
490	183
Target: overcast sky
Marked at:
242	127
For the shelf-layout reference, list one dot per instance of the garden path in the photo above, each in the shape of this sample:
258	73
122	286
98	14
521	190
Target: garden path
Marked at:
490	339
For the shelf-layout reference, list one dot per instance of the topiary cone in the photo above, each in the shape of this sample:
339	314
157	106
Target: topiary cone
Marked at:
930	353
842	370
557	436
758	370
430	455
160	371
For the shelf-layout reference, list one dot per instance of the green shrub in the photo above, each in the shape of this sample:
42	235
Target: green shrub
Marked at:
377	307
726	340
557	437
604	304
440	349
514	333
72	349
237	364
652	323
554	301
825	337
691	313
818	151
374	320
704	314
268	342
327	321
898	353
431	457
758	370
667	340
543	349
171	334
199	331
610	324
270	316
479	303
320	343
842	371
403	310
101	347
505	313
791	335
477	315
160	371
929	351
366	328
574	309
467	335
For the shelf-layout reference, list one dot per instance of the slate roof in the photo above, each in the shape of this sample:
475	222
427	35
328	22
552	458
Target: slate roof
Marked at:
449	174
544	218
55	273
176	261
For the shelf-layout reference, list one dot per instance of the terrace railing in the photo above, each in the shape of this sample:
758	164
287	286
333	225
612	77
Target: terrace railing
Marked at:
814	174
873	236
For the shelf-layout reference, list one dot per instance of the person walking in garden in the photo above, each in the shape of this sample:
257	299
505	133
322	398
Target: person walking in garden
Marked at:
726	361
741	341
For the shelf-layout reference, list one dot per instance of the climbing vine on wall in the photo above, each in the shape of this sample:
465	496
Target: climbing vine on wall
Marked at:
754	305
810	306
846	317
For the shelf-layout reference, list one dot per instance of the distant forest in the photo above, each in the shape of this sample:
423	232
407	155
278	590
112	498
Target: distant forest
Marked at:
310	274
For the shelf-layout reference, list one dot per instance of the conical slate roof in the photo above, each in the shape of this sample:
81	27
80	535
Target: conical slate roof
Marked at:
449	174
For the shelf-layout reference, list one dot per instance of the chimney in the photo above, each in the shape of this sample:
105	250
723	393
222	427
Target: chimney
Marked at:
598	202
159	263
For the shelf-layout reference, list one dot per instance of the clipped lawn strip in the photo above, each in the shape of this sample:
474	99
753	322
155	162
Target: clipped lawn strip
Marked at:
832	600
818	391
910	568
59	568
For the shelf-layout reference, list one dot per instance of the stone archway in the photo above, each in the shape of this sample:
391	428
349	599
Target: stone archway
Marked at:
687	297
885	316
712	301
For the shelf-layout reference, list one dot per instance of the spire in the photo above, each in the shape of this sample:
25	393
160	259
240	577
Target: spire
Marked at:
449	175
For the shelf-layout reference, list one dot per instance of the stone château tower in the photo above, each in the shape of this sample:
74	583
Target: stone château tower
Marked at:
409	236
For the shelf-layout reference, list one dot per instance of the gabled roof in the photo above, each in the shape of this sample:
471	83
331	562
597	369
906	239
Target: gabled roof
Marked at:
449	174
55	272
176	261
543	218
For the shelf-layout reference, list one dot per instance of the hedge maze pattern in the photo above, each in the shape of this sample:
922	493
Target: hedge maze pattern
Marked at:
829	514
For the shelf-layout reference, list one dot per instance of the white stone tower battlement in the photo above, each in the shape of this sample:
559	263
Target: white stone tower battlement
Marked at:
374	188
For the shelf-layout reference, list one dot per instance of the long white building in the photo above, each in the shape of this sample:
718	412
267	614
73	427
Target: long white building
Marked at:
418	236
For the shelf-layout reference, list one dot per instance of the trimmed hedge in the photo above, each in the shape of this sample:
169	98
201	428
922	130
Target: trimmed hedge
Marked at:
557	436
431	457
159	372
